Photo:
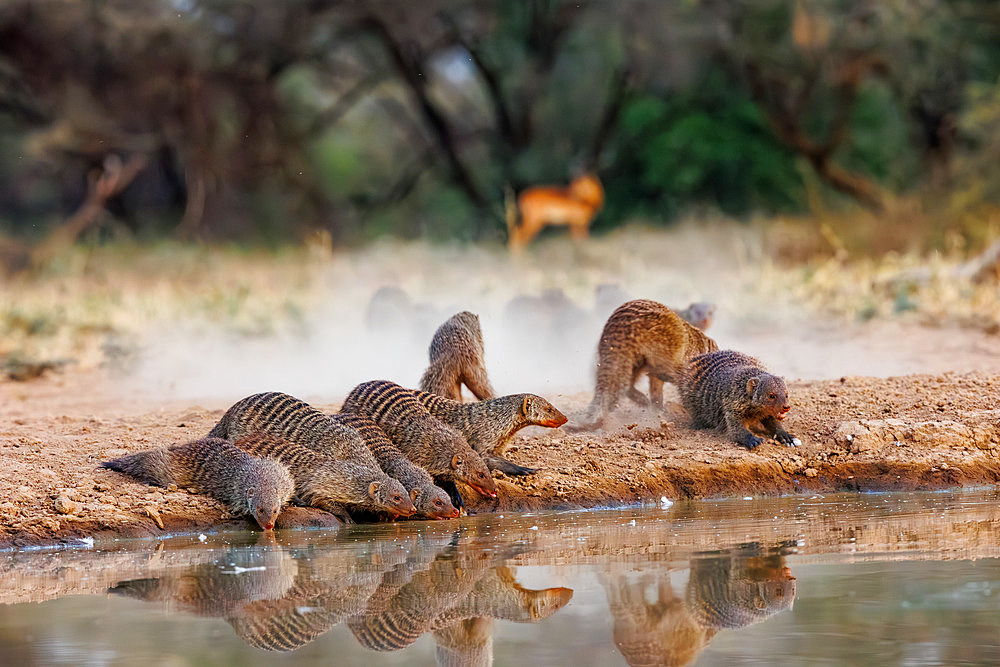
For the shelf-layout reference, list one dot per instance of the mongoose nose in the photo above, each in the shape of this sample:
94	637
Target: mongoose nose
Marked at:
269	526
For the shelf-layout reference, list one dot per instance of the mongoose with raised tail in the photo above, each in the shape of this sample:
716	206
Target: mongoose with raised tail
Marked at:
332	484
259	487
456	358
489	425
641	336
437	448
430	500
730	391
296	421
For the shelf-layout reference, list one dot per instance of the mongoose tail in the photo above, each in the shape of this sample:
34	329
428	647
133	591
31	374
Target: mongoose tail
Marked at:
496	462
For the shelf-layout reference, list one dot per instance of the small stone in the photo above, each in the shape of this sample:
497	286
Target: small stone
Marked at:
63	504
192	490
102	486
811	472
172	488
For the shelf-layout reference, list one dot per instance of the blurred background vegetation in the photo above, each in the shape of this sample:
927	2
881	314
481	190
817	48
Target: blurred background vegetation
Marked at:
274	121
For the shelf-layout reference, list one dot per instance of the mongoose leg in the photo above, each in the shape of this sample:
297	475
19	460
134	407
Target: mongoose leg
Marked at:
655	391
637	396
773	427
336	509
497	462
452	490
479	384
738	431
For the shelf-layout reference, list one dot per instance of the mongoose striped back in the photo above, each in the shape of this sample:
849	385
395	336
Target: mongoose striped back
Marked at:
426	441
296	421
331	484
430	500
489	425
456	357
641	336
497	594
247	485
731	391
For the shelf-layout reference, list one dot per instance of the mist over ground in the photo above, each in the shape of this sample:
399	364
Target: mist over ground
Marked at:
541	316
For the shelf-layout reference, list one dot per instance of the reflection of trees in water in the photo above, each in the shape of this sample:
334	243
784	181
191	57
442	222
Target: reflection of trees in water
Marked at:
726	590
280	599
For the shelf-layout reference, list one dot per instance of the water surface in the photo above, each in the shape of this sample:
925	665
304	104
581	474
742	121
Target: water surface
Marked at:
907	579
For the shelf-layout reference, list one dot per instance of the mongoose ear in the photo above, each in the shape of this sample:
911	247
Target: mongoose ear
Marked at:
751	385
414	494
456	461
373	489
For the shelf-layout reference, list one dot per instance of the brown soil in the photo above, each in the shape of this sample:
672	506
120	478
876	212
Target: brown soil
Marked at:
902	433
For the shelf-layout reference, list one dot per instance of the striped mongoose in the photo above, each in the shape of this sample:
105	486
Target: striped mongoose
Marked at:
489	425
332	484
730	391
294	420
456	358
256	486
641	336
437	448
430	500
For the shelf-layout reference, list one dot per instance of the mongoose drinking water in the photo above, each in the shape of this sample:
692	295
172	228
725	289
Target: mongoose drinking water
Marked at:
430	500
437	448
456	358
489	425
248	485
641	336
731	391
332	484
294	420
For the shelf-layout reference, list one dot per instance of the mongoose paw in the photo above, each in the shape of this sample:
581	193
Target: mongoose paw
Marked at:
787	439
751	441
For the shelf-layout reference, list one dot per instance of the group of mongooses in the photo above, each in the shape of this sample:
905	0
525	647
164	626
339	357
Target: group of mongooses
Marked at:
401	452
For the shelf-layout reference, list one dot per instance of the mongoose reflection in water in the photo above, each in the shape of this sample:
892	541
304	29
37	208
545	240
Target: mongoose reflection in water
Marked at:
641	336
431	501
730	391
456	358
332	484
731	590
259	487
437	448
489	425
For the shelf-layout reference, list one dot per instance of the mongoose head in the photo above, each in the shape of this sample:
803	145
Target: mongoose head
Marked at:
769	395
390	495
469	467
271	488
432	502
699	314
536	410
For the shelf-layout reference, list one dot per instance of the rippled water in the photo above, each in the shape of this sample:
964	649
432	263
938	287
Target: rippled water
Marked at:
901	579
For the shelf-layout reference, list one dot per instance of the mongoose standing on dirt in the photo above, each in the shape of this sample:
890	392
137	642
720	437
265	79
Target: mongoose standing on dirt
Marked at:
332	484
489	425
248	485
731	391
430	500
456	356
437	448
641	336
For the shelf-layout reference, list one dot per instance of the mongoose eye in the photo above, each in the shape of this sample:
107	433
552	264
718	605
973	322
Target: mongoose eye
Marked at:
772	396
396	499
438	503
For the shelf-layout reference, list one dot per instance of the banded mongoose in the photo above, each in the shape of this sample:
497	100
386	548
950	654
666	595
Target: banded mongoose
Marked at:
430	500
296	421
730	391
489	425
259	487
740	588
700	314
456	358
641	336
332	484
437	448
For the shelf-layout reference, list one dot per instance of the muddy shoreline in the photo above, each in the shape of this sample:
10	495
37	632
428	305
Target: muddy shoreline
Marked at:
914	432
